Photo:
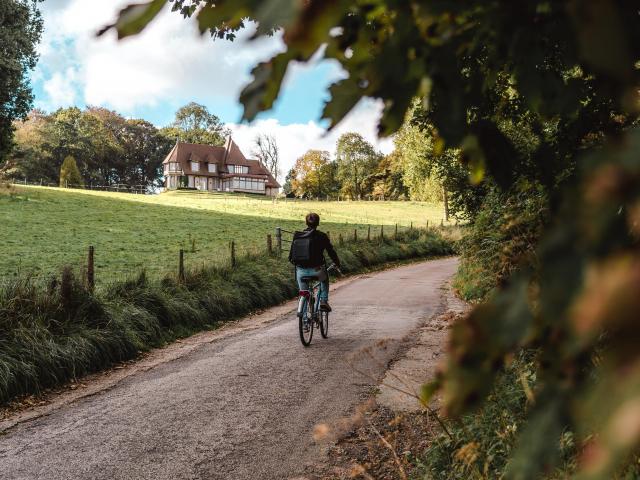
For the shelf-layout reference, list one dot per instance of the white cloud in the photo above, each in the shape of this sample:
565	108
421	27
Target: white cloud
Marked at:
168	65
60	87
169	61
295	139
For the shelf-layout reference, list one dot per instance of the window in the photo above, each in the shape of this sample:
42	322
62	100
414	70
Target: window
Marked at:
244	183
172	167
212	168
195	166
238	169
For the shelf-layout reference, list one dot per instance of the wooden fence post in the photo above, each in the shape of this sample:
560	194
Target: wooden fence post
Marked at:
427	224
278	241
411	226
340	239
396	234
381	232
355	234
181	267
369	233
445	197
91	279
233	254
269	245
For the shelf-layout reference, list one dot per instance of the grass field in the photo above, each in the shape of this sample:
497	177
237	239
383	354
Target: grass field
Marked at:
45	228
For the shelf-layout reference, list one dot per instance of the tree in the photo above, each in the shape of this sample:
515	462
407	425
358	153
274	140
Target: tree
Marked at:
195	124
266	150
108	148
415	151
357	161
20	30
29	157
314	175
70	174
389	183
144	150
287	188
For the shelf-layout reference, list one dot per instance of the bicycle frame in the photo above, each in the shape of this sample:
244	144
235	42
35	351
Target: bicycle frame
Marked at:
310	296
309	312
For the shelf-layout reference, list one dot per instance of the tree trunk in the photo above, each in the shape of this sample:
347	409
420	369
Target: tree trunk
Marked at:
445	196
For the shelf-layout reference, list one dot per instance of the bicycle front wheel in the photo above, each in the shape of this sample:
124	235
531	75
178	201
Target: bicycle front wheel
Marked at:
324	323
305	322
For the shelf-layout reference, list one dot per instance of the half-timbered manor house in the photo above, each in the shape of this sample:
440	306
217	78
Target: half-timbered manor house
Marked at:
221	169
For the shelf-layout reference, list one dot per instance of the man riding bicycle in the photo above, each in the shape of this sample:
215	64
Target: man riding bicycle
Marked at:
307	254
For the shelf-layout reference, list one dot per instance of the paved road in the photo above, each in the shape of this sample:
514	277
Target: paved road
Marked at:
241	407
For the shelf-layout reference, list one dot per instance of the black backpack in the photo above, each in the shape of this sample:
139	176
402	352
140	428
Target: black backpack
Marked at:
301	247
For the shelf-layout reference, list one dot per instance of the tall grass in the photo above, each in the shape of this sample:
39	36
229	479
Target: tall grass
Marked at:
52	333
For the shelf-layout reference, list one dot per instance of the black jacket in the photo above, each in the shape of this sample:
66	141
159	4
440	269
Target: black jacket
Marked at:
320	242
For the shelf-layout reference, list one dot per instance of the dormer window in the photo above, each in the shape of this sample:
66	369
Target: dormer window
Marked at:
212	168
238	169
195	166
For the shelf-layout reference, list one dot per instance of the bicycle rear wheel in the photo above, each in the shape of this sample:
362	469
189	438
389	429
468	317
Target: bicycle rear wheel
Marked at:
305	322
324	323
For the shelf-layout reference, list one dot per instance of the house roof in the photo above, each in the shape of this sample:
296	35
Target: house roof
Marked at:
229	154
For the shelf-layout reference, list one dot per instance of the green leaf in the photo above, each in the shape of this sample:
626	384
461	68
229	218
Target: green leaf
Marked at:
603	38
345	94
428	390
473	157
539	444
272	14
221	16
135	17
260	94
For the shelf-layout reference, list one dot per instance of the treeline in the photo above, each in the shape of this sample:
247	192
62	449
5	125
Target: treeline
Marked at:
107	148
359	171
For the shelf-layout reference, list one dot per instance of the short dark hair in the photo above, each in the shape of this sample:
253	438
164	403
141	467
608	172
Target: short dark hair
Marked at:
313	220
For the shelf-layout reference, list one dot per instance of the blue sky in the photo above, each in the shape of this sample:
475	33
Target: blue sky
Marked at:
150	76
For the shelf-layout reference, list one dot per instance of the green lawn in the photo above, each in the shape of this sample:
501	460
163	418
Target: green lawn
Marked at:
45	228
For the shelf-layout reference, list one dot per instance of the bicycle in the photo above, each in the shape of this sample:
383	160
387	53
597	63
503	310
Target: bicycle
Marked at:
309	311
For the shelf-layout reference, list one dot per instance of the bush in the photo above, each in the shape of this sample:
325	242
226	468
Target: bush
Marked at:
50	334
501	239
70	174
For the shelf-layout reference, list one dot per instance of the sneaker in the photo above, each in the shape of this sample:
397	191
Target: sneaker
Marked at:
324	306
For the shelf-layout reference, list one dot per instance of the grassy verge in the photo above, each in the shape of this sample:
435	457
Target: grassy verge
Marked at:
483	444
50	334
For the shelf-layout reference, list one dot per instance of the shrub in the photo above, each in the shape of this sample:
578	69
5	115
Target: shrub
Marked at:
501	239
70	174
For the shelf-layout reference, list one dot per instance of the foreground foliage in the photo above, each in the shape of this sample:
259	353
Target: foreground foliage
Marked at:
54	333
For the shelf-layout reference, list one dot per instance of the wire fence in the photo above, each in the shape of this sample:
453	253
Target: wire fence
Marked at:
150	190
97	269
116	187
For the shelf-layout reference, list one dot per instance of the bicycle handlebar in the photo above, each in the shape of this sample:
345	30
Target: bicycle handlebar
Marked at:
333	266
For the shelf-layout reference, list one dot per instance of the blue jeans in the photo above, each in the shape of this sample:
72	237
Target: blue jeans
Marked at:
319	272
